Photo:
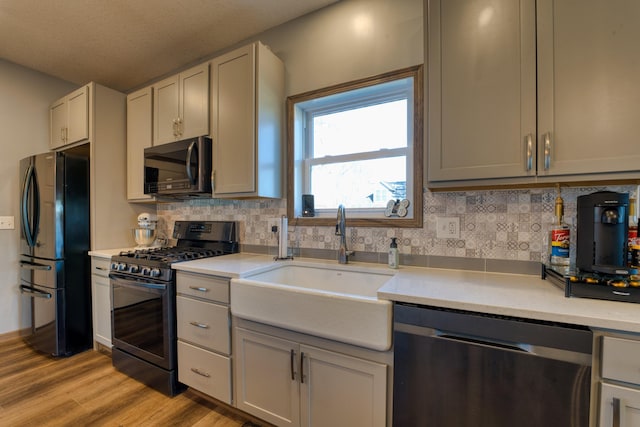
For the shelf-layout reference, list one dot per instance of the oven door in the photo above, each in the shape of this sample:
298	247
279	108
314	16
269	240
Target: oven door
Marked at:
143	319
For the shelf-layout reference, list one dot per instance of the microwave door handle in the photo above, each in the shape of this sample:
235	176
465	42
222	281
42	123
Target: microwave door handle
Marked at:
192	147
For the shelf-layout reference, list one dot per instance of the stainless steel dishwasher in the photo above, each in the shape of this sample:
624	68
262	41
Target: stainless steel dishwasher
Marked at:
458	368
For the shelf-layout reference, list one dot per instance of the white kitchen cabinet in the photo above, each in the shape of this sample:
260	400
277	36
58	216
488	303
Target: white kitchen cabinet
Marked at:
485	96
181	106
139	137
247	113
112	216
69	118
620	382
204	334
291	384
101	301
95	118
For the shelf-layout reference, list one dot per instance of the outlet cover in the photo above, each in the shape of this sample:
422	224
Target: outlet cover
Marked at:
448	228
7	223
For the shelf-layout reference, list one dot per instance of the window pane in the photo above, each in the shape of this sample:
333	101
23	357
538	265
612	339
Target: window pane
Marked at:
360	184
359	130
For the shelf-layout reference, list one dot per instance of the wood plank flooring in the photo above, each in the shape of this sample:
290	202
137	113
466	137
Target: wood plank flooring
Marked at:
85	390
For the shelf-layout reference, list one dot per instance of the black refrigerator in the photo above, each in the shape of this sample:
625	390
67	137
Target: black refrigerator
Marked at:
55	275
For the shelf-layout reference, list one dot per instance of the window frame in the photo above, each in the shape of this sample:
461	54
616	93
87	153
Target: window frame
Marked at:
354	216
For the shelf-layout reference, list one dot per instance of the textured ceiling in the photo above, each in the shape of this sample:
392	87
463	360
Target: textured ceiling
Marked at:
123	44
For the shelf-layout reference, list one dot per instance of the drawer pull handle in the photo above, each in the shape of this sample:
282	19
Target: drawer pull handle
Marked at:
101	268
197	371
200	325
196	288
302	367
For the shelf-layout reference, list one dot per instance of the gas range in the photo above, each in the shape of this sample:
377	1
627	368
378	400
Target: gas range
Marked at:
196	239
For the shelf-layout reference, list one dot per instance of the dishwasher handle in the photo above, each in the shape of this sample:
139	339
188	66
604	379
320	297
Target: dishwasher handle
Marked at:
533	350
482	341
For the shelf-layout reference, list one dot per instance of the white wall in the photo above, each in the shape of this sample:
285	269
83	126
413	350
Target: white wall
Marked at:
346	41
25	96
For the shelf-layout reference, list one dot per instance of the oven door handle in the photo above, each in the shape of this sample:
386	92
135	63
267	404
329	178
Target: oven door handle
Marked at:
136	283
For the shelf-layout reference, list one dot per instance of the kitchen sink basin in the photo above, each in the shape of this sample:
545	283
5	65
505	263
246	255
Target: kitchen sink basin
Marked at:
330	302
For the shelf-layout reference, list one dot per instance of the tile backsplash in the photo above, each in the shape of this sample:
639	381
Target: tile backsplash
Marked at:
494	224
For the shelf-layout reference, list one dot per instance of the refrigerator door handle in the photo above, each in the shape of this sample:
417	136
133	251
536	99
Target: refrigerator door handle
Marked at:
30	229
34	266
34	292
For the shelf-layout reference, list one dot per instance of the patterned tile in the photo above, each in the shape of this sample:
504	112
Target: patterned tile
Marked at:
494	224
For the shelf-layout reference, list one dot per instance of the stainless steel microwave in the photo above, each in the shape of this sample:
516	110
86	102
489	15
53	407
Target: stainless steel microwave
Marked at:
179	169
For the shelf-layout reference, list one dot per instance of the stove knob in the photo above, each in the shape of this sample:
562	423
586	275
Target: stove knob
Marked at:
121	266
133	269
114	265
146	271
155	272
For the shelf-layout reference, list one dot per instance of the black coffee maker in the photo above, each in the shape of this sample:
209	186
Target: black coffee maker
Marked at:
602	231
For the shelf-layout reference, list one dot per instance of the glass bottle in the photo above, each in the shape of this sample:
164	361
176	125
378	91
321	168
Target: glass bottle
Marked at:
633	229
560	235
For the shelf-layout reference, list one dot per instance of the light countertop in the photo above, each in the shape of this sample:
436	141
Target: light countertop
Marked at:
517	295
108	253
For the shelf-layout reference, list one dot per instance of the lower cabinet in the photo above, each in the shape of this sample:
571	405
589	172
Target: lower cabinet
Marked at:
101	301
620	382
292	384
204	334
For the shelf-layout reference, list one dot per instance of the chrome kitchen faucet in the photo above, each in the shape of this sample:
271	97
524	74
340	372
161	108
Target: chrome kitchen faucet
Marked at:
343	253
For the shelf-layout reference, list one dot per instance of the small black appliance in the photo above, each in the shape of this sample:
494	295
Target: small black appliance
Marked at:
602	229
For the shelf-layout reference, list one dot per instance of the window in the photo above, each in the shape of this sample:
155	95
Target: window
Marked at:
358	144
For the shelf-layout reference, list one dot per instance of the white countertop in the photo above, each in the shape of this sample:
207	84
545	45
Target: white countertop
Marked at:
496	293
108	253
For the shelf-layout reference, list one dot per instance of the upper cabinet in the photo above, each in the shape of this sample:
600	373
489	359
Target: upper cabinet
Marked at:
588	86
181	106
95	120
69	119
139	137
247	113
523	92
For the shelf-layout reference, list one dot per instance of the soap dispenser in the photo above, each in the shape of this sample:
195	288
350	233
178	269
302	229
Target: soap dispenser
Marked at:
394	256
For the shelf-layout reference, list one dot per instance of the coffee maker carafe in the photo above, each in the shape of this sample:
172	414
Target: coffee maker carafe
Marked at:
602	227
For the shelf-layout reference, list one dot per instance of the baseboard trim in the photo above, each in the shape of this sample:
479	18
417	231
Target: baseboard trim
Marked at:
15	334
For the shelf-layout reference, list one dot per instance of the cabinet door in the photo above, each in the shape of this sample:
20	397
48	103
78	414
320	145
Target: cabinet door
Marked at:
194	102
58	124
101	301
619	406
355	390
139	136
589	86
233	121
165	111
267	378
482	89
78	115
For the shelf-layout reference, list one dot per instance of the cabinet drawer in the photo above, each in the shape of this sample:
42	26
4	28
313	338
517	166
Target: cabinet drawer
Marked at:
202	286
100	266
206	372
621	359
204	323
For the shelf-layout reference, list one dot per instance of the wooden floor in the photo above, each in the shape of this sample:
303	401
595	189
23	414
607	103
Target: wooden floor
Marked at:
85	390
